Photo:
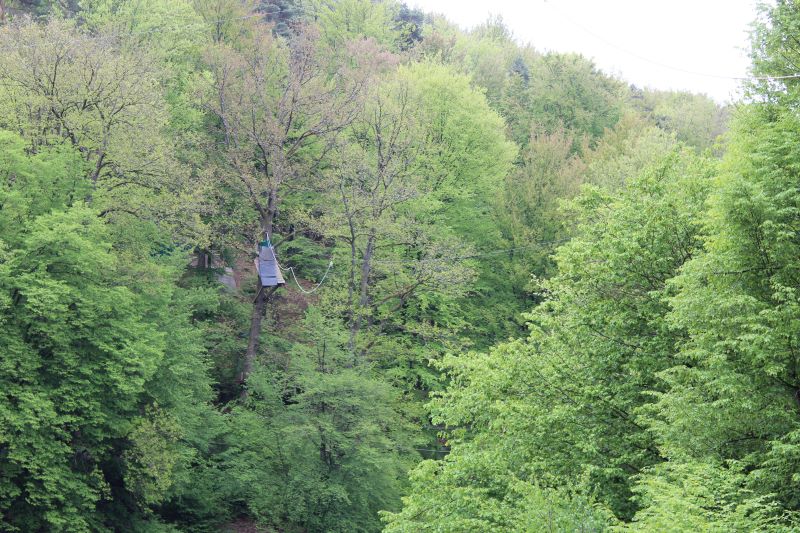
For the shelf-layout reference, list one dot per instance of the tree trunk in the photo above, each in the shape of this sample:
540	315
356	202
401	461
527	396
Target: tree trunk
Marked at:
351	289
256	317
259	304
366	268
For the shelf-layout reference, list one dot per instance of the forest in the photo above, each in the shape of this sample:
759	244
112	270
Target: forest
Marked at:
341	266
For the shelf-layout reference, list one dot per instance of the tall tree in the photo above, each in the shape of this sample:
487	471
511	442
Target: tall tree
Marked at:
728	418
402	170
95	92
278	104
102	372
319	444
559	409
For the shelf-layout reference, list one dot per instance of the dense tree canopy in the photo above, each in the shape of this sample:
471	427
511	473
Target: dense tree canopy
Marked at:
521	295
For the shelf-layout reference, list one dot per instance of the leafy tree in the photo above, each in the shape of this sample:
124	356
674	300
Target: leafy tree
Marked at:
102	372
283	14
559	409
410	23
774	52
735	300
342	21
700	496
696	119
59	83
276	103
568	90
550	172
487	54
633	144
230	21
319	444
383	166
428	150
450	495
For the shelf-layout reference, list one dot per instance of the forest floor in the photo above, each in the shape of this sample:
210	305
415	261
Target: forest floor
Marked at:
243	525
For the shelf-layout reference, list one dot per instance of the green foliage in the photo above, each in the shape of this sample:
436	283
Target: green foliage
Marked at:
569	91
343	20
548	174
319	445
283	14
34	184
147	384
486	54
410	24
152	456
701	497
564	400
87	345
82	354
736	301
774	52
406	187
632	145
471	492
660	373
696	119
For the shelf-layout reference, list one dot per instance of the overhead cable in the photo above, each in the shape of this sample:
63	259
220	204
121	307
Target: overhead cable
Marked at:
659	63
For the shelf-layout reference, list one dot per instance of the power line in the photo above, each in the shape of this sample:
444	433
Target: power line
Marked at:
203	26
389	448
412	261
659	63
535	244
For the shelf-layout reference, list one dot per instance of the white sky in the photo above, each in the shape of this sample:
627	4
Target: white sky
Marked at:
651	43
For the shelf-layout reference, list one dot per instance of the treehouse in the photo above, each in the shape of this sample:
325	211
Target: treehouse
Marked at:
267	264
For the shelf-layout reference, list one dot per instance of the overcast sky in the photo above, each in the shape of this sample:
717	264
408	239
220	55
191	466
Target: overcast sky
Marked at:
666	44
